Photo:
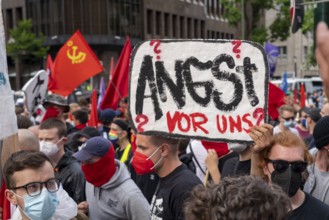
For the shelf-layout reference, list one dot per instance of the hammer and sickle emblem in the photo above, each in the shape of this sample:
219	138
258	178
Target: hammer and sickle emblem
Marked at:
76	58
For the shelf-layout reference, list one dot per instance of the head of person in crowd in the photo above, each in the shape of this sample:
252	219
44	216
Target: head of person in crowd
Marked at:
80	118
155	154
23	122
286	117
77	139
73	107
107	116
314	115
284	161
97	157
120	133
31	184
83	103
321	134
55	106
303	113
325	109
27	140
257	200
52	137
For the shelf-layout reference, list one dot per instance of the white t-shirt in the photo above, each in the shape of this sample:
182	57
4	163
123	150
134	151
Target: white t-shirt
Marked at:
200	154
277	130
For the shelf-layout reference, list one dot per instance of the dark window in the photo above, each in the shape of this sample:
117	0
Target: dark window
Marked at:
166	24
158	24
149	21
174	26
189	28
202	31
182	27
196	34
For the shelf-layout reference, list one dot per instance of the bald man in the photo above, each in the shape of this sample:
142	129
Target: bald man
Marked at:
27	140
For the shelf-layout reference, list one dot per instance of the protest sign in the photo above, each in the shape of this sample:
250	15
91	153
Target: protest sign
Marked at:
202	89
35	90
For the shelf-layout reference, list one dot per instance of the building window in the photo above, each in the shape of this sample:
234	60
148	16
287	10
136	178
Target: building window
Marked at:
232	36
208	34
149	21
182	26
283	52
202	30
189	28
305	52
196	34
174	26
166	24
157	23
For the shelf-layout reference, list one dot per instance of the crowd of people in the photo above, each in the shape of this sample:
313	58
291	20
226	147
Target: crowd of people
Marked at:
65	169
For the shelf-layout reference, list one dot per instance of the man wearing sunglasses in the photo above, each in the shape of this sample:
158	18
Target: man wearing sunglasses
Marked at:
283	159
33	188
287	120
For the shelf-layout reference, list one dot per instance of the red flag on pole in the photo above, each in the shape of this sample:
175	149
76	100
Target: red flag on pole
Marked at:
50	71
74	63
93	120
302	96
118	85
295	96
275	100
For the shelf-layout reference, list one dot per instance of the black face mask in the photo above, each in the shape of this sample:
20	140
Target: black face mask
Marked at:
289	180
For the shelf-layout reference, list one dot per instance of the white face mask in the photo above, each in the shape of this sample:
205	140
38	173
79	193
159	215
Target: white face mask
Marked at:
237	147
49	148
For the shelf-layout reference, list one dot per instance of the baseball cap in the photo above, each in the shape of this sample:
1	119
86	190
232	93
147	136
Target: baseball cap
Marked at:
87	132
96	146
108	115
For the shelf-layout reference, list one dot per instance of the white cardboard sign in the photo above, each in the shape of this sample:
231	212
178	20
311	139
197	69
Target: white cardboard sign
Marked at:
202	89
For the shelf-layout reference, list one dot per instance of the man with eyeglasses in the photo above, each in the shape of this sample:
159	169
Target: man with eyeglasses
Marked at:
282	160
287	120
33	188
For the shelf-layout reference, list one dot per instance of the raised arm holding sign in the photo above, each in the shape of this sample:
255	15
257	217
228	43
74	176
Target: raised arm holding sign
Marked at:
205	89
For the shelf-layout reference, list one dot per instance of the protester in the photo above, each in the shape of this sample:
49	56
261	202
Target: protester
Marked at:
80	119
27	140
199	154
73	107
111	193
33	188
325	109
23	122
241	198
313	117
160	154
317	183
120	137
241	165
52	137
282	159
77	139
56	107
302	127
106	117
287	120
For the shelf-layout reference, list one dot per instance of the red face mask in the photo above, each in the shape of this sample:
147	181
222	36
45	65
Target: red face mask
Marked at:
143	164
101	171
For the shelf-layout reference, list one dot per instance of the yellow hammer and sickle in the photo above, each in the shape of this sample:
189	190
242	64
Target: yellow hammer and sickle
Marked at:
76	58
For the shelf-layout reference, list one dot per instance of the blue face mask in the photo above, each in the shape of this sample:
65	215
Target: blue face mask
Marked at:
289	124
304	123
41	207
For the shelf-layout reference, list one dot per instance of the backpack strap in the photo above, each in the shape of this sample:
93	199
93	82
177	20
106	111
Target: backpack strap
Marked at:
197	162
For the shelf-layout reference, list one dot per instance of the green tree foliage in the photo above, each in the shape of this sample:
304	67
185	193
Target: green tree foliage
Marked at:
24	45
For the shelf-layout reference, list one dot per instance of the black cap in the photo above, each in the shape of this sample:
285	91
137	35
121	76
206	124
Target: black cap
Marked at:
321	132
56	100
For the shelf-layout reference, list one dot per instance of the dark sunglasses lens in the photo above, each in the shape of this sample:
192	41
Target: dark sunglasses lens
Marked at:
280	165
299	166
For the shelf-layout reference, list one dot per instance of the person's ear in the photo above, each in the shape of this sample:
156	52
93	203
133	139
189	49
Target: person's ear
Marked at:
265	170
11	196
165	150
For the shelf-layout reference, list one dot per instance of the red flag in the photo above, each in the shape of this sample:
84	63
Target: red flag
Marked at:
93	120
221	148
74	63
118	86
275	100
295	96
302	96
50	71
4	203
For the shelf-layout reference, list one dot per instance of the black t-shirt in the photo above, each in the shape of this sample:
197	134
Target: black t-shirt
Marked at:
171	192
234	167
222	160
311	209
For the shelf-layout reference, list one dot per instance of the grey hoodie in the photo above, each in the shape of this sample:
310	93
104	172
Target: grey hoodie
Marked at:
118	199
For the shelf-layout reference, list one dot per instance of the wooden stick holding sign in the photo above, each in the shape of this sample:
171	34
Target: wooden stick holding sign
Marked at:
202	89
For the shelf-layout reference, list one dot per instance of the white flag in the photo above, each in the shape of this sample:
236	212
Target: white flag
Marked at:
8	122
